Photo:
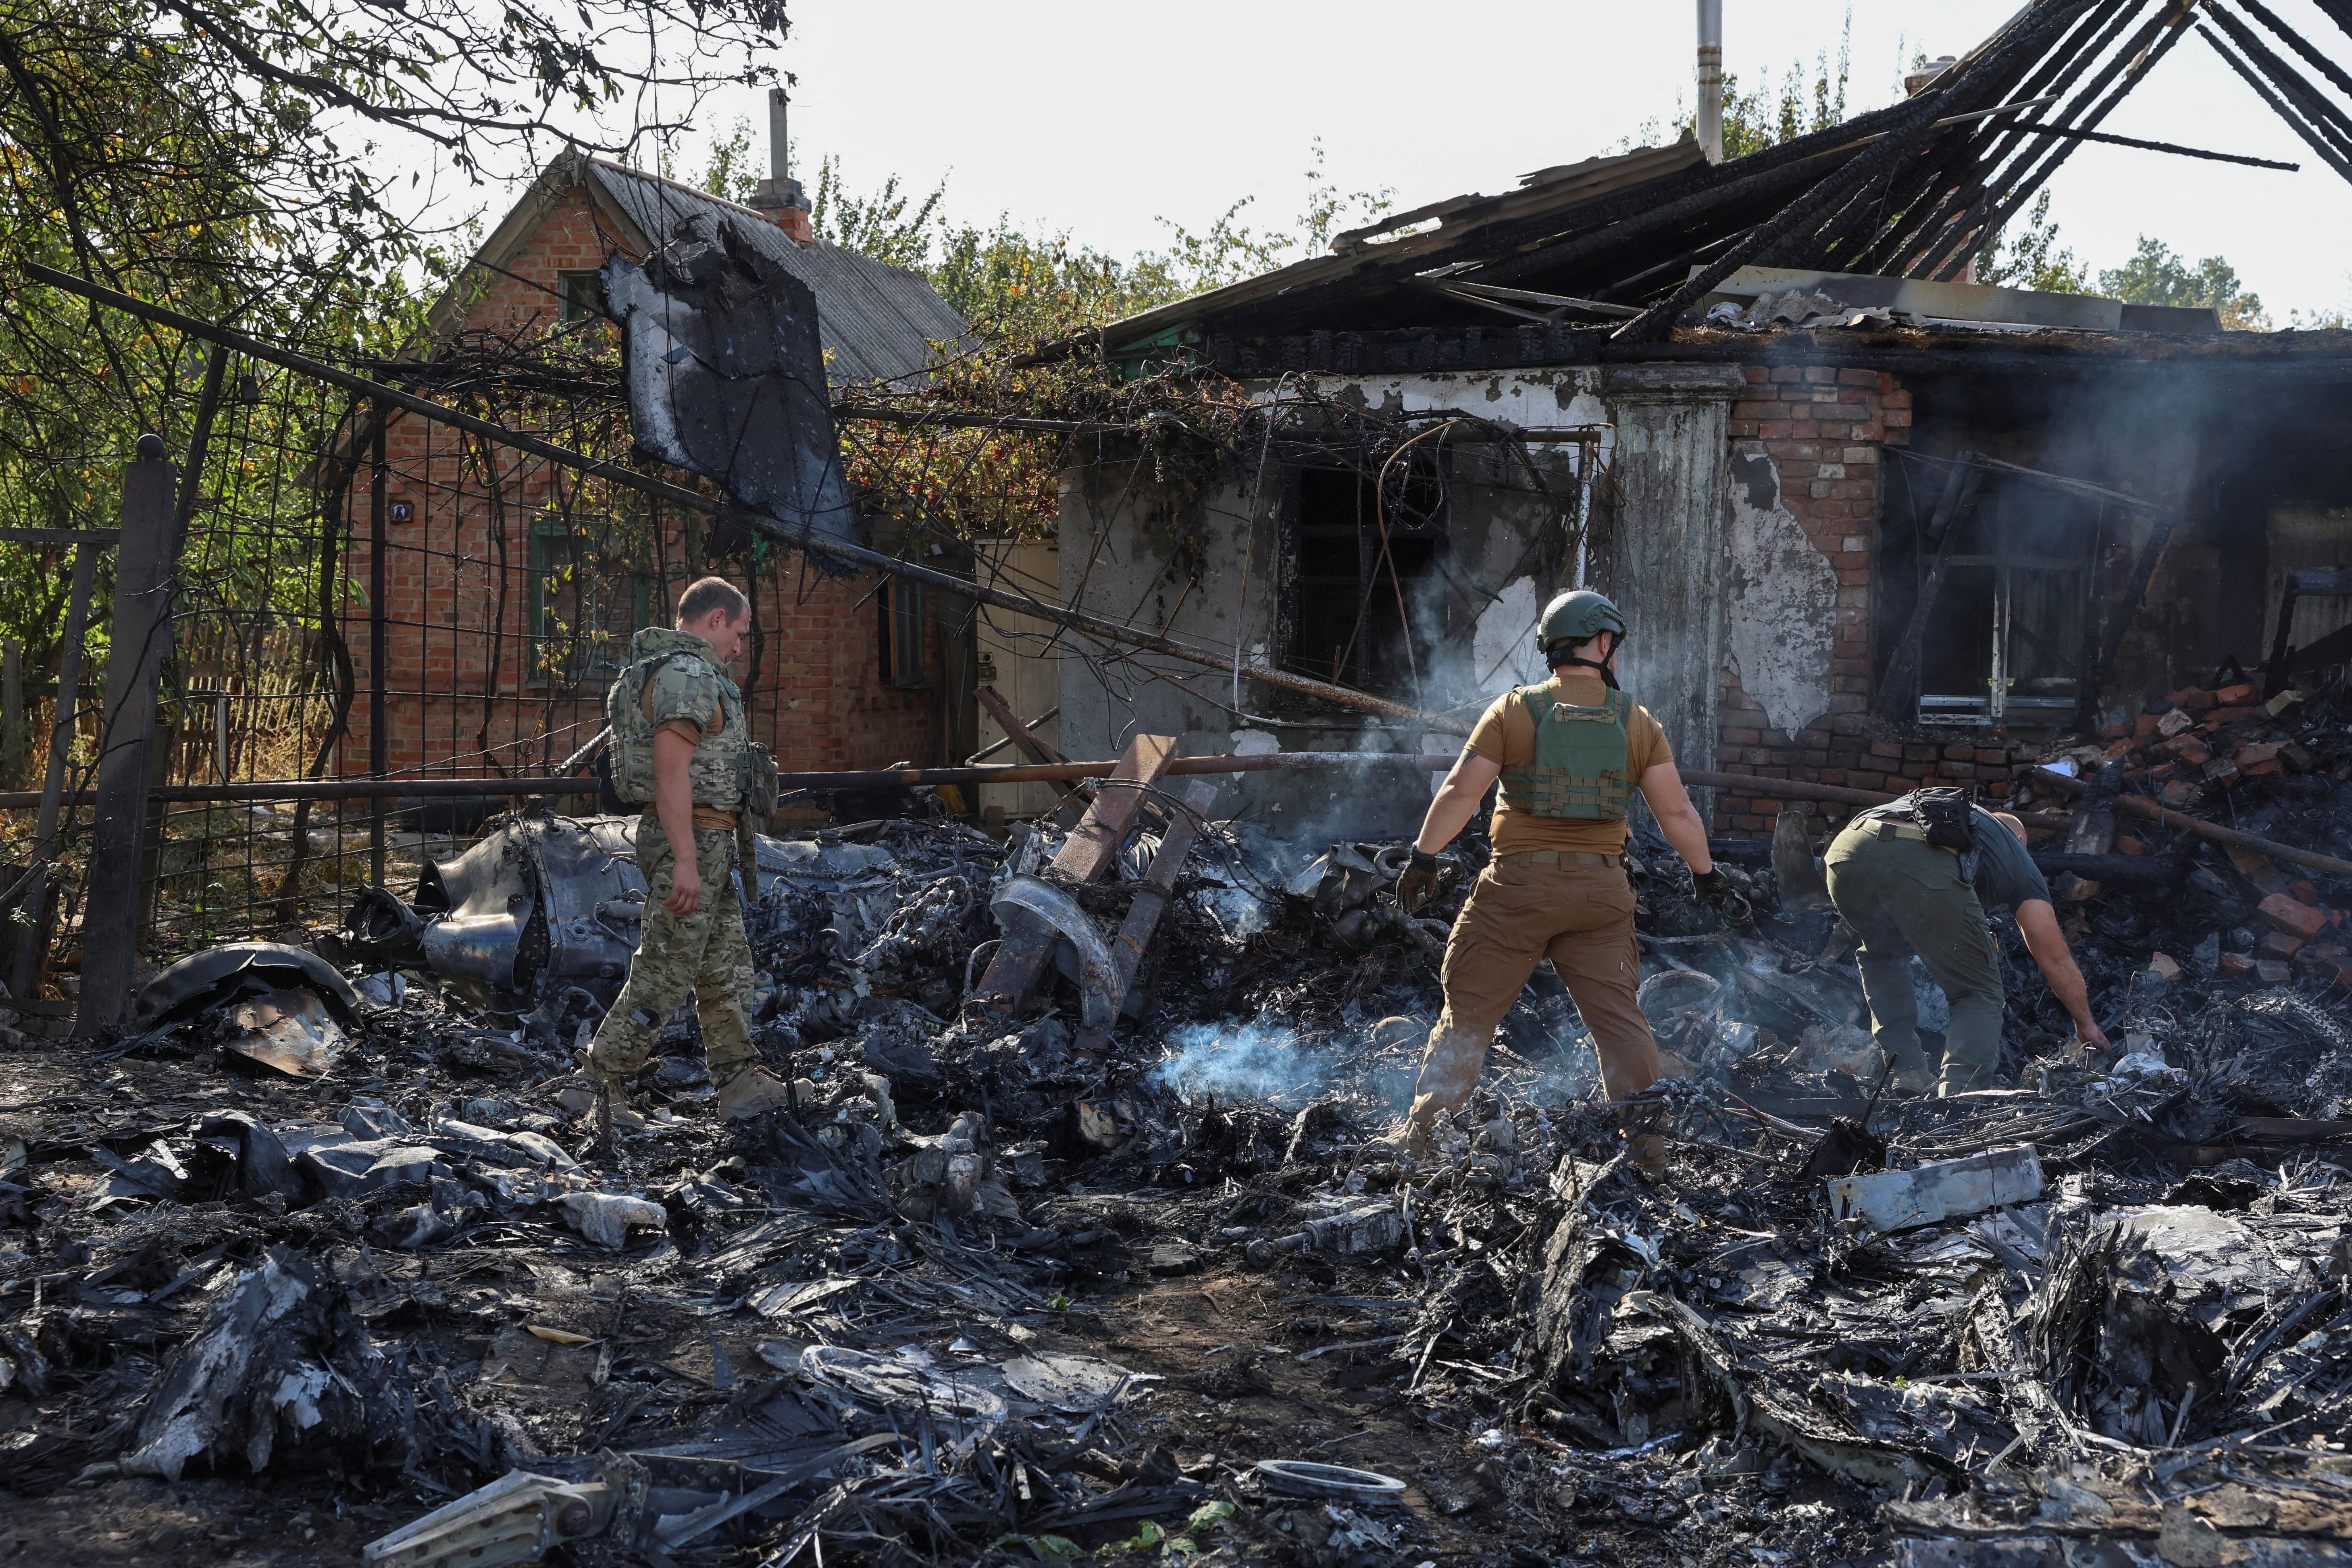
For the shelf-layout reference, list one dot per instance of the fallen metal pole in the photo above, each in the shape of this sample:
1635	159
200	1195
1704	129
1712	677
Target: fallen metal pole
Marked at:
1223	661
874	778
2139	806
1837	795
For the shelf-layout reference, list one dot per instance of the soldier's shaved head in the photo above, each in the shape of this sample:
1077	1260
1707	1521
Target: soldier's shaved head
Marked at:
708	596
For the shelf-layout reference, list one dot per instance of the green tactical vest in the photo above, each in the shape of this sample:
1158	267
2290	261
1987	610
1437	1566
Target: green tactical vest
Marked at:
719	772
1580	769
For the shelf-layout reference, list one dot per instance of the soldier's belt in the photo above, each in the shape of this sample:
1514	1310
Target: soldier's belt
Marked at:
1557	858
1881	829
706	818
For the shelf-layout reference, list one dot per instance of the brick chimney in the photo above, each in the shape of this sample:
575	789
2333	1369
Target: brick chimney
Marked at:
779	196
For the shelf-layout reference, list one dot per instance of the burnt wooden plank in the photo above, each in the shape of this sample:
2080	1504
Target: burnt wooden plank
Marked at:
1091	852
1026	743
1126	949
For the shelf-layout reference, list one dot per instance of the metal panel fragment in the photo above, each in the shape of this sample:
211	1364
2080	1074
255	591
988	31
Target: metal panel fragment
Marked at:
726	378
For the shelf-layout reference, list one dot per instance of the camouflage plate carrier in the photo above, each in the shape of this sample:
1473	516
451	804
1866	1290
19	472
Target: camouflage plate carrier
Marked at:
676	668
1580	770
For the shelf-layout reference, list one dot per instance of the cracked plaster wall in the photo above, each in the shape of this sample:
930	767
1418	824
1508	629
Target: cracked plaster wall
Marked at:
1780	601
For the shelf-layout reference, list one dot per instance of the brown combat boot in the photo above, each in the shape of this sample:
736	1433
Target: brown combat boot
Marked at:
750	1091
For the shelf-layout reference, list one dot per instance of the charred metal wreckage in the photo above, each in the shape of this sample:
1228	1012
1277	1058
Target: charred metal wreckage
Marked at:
1097	1255
1076	1241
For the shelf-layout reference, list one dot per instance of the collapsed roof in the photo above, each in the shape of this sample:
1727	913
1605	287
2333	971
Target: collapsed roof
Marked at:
1621	247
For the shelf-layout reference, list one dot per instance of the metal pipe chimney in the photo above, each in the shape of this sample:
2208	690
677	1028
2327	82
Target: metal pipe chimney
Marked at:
779	196
1710	79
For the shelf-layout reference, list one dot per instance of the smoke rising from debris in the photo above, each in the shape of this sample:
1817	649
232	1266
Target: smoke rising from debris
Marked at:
1240	1061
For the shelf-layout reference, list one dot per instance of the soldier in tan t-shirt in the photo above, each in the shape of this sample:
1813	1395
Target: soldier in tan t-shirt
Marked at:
1555	887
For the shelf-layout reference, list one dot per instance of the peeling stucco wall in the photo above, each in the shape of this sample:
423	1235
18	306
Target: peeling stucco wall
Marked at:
1782	600
1503	647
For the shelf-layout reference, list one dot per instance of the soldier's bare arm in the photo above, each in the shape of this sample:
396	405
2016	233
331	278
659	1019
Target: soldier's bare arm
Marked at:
1670	803
674	803
2038	922
1457	801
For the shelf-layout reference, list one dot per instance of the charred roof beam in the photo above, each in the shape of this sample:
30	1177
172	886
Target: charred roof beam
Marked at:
1939	195
1948	253
2320	124
1918	241
1988	76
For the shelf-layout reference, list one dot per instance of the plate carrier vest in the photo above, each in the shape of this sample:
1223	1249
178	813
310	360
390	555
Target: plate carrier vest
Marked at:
1580	769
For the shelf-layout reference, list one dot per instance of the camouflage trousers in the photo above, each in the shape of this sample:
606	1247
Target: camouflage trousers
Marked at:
703	954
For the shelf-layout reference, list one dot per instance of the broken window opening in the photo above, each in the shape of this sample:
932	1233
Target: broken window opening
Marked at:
901	607
581	297
587	600
2005	640
1344	620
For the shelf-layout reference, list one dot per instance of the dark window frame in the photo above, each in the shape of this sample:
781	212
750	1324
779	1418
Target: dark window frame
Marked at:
580	295
544	563
1341	626
902	628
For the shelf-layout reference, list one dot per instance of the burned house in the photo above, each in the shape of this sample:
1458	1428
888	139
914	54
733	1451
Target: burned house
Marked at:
511	586
1874	523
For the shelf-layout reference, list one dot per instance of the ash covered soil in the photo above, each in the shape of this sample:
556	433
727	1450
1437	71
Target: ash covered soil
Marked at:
981	1297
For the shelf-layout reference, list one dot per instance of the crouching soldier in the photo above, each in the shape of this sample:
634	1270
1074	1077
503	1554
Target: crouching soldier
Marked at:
1916	876
681	746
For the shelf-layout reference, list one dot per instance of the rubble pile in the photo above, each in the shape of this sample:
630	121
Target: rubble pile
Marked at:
990	1291
2279	770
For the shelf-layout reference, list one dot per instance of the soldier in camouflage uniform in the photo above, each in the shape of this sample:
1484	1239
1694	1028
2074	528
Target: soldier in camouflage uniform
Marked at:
677	718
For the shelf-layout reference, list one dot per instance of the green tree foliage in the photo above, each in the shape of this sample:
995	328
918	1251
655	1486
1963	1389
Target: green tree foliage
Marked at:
1020	286
2156	275
1805	102
2034	259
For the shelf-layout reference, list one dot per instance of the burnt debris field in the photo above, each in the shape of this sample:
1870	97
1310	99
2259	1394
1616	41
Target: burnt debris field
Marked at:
313	1262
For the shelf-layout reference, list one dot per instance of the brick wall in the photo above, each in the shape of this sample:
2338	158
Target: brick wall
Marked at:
459	581
1825	429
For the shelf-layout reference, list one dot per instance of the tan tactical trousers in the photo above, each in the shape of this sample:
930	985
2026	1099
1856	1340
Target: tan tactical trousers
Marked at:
1579	916
704	955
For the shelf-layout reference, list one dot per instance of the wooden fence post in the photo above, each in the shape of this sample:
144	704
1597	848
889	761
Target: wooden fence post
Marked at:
379	688
140	630
12	712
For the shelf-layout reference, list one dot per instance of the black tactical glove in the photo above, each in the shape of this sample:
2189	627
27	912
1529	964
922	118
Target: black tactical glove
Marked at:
1723	898
1417	883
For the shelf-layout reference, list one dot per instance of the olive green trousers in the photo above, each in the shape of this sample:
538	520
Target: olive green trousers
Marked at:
1906	896
703	955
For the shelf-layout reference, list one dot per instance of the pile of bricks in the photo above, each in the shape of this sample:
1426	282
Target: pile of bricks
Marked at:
2302	933
2196	745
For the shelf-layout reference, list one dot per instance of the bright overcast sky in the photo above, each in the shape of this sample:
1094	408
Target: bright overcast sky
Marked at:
1098	118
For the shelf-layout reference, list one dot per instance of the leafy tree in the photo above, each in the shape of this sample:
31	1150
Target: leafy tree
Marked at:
1805	102
1020	288
2034	259
2156	275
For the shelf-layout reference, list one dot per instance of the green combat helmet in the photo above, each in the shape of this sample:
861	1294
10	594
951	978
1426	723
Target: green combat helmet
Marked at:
1576	617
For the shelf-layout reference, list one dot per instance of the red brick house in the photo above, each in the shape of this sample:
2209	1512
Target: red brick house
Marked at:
511	586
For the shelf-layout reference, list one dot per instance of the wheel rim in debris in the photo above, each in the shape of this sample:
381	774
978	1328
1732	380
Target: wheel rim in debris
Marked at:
1304	1478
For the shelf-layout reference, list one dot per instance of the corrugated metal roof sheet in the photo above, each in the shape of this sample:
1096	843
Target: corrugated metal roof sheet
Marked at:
877	321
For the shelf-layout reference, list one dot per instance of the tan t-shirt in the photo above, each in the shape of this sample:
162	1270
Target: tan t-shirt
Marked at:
1506	733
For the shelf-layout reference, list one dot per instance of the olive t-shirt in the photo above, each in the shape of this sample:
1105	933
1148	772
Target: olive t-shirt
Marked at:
1506	733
